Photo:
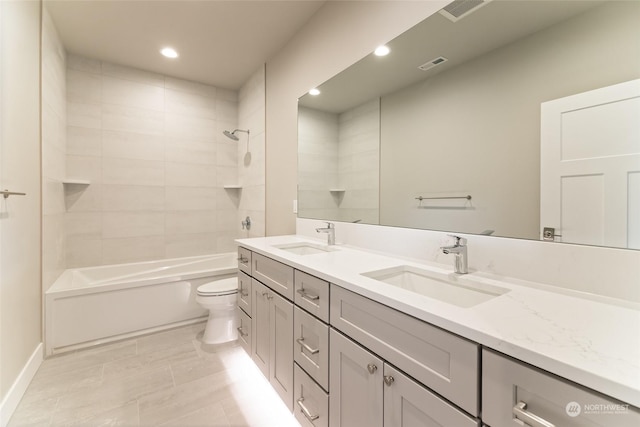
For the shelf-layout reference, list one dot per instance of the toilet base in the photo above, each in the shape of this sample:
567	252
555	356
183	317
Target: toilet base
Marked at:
221	327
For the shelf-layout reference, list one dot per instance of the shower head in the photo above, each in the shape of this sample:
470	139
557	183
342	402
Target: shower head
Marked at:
232	135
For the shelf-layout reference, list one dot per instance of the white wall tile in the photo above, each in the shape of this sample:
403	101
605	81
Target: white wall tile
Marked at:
83	252
190	175
189	127
132	224
153	149
83	87
132	74
132	198
181	245
130	119
84	167
84	115
84	141
190	198
81	63
190	87
190	104
132	94
186	222
185	150
133	172
87	225
132	145
134	249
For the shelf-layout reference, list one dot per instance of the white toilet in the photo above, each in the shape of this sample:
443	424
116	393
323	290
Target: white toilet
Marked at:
219	297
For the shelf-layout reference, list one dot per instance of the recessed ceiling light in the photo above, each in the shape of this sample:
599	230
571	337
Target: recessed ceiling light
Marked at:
314	92
169	52
381	51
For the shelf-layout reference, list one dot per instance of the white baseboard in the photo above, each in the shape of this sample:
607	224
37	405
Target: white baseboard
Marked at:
19	387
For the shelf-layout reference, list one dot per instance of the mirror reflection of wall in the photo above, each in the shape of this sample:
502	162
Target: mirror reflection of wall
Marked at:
338	159
471	126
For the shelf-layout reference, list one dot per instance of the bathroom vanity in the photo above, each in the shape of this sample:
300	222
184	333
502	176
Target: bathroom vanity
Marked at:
353	338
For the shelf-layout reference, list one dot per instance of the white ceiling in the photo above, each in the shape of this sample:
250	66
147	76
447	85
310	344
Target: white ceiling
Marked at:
221	43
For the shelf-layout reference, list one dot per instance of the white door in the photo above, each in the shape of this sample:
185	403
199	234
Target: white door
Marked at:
590	166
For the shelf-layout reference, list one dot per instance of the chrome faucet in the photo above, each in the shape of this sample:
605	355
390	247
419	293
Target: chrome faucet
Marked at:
459	249
331	233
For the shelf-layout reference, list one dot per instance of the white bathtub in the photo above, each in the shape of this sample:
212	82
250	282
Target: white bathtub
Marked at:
88	306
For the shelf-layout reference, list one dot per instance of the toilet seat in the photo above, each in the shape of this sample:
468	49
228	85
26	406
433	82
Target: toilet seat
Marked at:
219	287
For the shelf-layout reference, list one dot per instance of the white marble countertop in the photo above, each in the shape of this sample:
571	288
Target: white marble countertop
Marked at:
591	340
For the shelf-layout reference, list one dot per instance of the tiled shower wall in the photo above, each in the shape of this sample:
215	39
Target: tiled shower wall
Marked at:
339	151
54	135
153	150
251	161
359	162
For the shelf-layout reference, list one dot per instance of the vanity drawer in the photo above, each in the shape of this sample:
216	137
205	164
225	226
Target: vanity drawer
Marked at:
440	360
311	403
508	385
312	294
244	260
244	331
244	292
274	274
311	346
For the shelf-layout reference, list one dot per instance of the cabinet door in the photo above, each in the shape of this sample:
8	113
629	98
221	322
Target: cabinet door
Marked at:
244	292
260	326
355	381
442	361
409	404
281	347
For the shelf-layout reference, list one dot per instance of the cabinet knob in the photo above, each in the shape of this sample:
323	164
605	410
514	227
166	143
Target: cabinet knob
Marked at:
388	380
372	368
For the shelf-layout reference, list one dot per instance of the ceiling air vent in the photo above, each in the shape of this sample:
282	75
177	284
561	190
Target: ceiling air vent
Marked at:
434	62
458	9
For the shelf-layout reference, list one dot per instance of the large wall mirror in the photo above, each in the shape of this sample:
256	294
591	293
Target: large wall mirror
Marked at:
517	116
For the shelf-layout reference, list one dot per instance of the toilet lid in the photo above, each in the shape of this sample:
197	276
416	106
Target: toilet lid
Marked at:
219	287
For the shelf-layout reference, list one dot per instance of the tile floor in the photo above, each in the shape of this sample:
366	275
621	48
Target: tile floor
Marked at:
165	379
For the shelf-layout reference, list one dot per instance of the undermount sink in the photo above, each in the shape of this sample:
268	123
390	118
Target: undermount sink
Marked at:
304	248
449	288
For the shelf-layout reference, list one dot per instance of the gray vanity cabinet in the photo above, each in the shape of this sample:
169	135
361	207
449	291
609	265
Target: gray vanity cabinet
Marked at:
272	330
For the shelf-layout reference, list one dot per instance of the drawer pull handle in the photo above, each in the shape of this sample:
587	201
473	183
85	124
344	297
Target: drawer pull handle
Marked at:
372	368
267	295
241	332
388	380
305	295
243	260
244	293
307	347
530	419
305	411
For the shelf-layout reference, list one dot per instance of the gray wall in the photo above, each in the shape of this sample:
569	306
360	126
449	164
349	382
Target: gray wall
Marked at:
475	129
339	34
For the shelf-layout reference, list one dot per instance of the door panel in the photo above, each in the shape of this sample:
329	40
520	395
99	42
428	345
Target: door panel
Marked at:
355	382
590	157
